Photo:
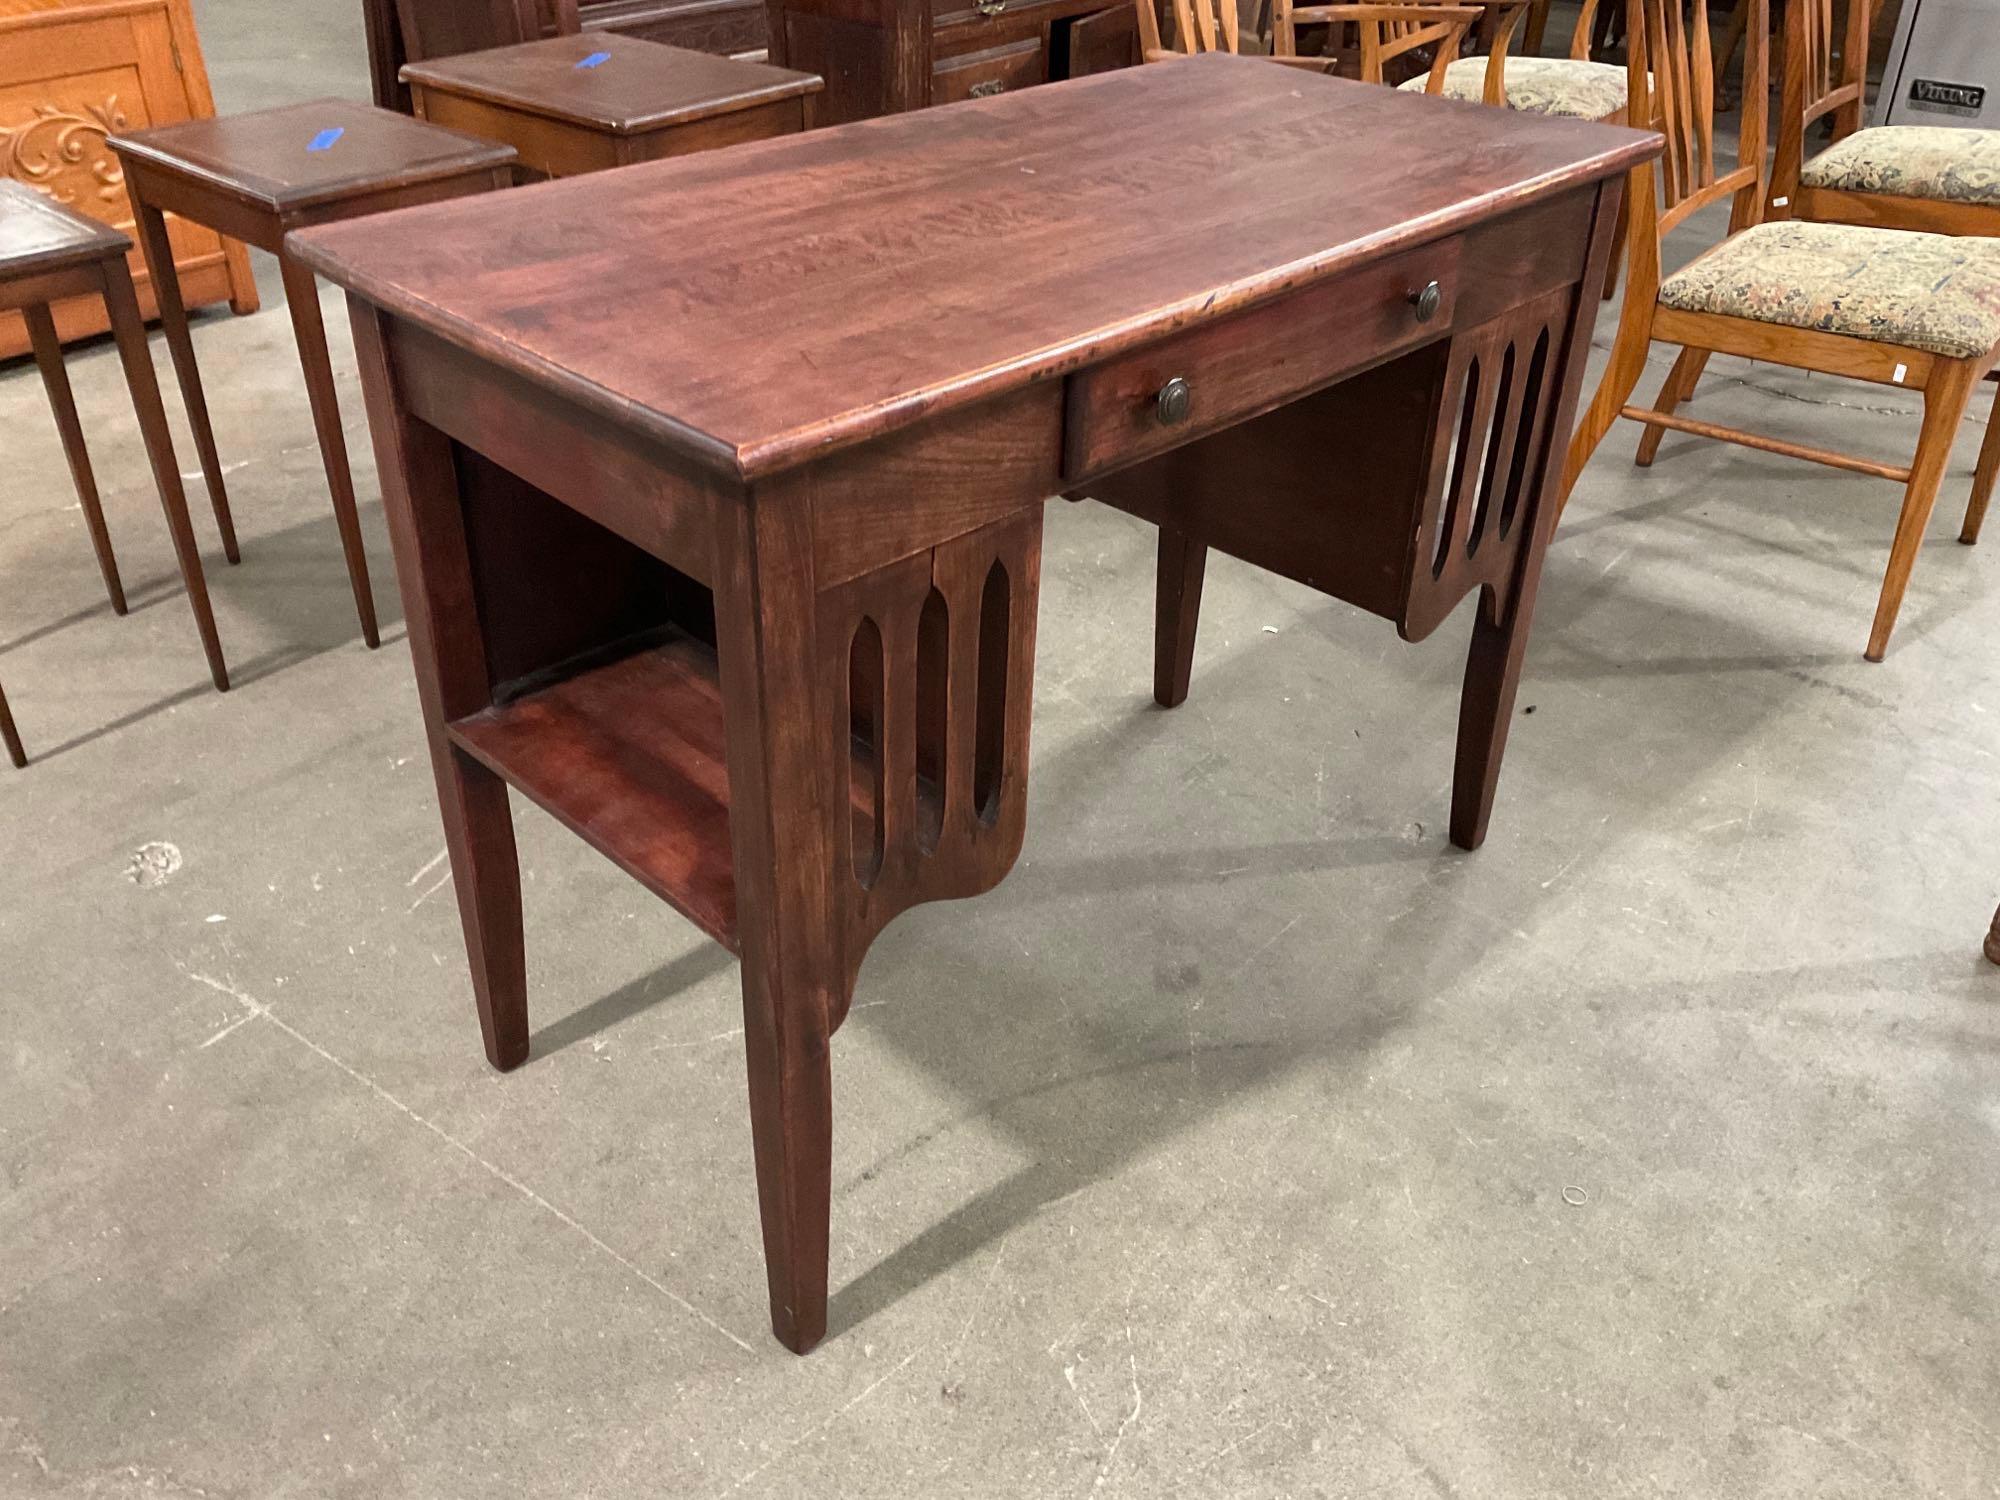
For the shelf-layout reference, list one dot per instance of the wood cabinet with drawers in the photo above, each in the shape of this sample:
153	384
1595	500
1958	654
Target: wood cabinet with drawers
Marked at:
73	72
886	56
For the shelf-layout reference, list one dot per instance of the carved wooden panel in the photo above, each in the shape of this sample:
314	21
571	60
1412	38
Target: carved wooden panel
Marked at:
73	72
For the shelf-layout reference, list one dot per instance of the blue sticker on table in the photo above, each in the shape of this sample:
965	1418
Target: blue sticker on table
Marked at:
595	60
326	138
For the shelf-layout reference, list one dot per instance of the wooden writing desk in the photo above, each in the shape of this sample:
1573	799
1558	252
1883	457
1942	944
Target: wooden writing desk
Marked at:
719	526
572	104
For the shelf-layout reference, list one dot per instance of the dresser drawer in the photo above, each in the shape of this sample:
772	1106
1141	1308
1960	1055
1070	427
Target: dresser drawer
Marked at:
1159	397
997	70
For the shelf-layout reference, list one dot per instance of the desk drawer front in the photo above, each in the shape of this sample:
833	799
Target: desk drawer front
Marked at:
1222	372
998	70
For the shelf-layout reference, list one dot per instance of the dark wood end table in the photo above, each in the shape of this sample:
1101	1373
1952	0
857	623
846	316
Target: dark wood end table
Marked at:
48	253
724	545
256	177
571	104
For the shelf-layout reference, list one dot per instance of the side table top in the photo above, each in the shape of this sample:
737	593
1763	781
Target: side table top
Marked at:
754	308
299	155
621	85
39	234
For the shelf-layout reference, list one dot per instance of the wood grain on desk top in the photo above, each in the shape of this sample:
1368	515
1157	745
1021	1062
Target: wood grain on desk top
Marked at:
630	85
757	306
38	234
301	154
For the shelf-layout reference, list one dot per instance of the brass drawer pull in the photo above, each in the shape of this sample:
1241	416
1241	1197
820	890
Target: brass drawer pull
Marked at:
986	90
989	7
1427	301
1175	400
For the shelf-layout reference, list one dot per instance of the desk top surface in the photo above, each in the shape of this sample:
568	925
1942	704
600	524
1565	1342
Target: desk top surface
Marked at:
754	307
621	85
312	153
38	234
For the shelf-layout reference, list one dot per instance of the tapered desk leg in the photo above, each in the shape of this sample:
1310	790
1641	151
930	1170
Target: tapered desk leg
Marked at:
302	297
16	751
49	357
448	648
137	357
781	800
1486	708
1176	614
159	253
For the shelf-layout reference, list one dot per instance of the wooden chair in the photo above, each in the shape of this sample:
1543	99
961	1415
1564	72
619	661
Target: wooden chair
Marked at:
1574	87
1921	311
445	28
1924	177
1389	32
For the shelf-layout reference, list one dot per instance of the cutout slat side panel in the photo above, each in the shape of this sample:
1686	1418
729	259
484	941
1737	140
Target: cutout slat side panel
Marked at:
1496	461
939	756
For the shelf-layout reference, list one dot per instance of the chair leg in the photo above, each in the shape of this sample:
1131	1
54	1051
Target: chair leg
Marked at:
1945	400
55	379
1176	613
1984	476
173	322
302	297
15	751
136	354
1676	388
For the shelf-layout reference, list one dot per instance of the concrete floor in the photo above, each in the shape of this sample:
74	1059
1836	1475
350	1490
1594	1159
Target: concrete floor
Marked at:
1228	1149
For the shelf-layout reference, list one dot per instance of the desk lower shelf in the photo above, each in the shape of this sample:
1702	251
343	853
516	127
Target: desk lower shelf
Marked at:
630	756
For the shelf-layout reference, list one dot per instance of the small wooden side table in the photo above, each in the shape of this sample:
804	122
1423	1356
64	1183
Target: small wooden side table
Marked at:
573	104
48	253
258	176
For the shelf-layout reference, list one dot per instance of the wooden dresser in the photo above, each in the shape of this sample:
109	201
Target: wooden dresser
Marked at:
73	71
881	57
724	27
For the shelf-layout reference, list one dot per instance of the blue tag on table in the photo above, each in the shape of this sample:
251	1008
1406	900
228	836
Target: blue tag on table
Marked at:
595	60
326	138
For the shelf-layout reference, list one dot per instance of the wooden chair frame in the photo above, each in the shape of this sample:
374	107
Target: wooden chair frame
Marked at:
1387	32
1688	181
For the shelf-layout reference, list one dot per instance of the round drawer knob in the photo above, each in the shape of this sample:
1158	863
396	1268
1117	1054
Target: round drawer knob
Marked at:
1427	301
1175	400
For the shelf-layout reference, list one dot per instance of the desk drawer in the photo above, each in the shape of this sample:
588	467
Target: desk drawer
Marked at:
1239	366
998	70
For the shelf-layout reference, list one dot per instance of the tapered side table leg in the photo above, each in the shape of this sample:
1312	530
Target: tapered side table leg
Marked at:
1992	938
137	357
302	297
49	358
159	253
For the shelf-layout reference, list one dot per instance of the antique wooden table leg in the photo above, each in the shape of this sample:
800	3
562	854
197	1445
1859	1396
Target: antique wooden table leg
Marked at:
782	800
137	357
420	497
49	357
302	297
16	752
159	253
1992	933
1176	613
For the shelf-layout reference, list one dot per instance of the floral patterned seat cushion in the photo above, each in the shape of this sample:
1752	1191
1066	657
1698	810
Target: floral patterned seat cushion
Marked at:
1912	161
1540	85
1935	292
